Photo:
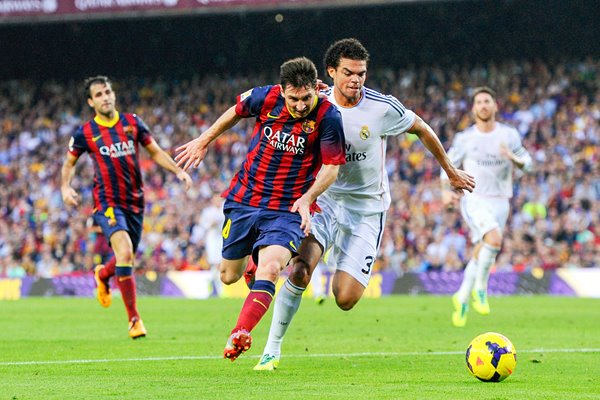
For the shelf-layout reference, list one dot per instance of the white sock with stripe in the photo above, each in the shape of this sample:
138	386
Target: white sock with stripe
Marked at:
287	303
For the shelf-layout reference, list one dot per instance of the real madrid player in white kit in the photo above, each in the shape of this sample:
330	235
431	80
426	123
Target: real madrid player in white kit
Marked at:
352	215
487	150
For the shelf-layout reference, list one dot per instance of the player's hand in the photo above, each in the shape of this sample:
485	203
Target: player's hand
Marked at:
302	206
185	178
505	152
460	181
69	196
191	154
321	87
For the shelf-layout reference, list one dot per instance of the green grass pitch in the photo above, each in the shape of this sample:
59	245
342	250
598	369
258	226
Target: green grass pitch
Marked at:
397	347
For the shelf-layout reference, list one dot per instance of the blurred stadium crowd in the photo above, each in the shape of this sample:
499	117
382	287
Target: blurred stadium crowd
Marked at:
555	219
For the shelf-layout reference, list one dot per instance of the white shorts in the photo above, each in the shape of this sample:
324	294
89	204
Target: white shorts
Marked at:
483	214
353	239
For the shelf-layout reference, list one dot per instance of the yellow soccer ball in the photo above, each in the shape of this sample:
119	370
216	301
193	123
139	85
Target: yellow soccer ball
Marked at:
491	357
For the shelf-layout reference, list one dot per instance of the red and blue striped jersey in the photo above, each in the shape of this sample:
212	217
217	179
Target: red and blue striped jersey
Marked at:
113	149
285	153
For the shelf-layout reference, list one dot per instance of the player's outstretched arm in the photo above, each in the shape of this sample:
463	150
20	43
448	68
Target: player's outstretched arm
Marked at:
327	175
69	195
523	161
193	152
459	179
164	160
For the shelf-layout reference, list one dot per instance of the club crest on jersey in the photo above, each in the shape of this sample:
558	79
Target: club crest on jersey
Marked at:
308	126
128	130
364	132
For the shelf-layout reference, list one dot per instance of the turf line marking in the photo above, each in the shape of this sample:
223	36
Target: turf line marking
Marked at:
341	355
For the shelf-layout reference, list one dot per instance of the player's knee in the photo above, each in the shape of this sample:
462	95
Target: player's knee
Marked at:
493	238
345	303
124	258
345	299
300	275
229	278
268	271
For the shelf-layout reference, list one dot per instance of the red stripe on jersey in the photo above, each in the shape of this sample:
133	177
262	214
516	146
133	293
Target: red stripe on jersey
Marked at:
137	183
315	162
270	102
102	172
243	180
286	161
262	173
119	175
87	134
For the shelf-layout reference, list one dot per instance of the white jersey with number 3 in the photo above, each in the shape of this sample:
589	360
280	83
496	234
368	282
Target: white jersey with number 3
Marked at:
362	183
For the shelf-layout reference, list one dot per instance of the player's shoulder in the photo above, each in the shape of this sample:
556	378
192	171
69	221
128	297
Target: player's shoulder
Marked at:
508	129
373	98
465	134
329	108
261	91
81	129
129	116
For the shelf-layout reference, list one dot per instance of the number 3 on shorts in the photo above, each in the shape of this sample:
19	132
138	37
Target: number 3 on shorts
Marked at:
369	261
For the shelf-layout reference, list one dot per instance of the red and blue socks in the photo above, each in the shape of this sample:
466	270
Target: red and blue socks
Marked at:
256	305
126	284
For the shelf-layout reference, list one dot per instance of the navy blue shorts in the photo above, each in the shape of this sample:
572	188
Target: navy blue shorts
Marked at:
246	229
115	219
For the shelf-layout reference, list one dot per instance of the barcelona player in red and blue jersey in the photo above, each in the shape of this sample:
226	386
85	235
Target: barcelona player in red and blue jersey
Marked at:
295	152
112	140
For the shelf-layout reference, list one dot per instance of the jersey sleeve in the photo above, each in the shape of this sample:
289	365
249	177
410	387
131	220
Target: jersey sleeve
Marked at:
77	144
333	142
516	146
144	134
397	119
250	103
456	153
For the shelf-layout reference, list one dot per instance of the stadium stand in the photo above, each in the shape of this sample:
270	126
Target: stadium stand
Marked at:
556	211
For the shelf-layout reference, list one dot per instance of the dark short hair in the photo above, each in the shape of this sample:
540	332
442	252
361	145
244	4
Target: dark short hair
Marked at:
94	80
483	89
345	48
298	72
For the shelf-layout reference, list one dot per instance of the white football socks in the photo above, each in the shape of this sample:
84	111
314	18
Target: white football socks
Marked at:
317	282
485	260
287	303
464	292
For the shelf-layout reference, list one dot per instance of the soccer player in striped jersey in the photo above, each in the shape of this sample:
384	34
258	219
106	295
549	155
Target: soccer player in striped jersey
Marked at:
353	208
112	139
295	152
489	150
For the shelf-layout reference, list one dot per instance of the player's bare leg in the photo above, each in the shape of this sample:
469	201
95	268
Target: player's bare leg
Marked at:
347	290
232	270
123	248
271	260
288	301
